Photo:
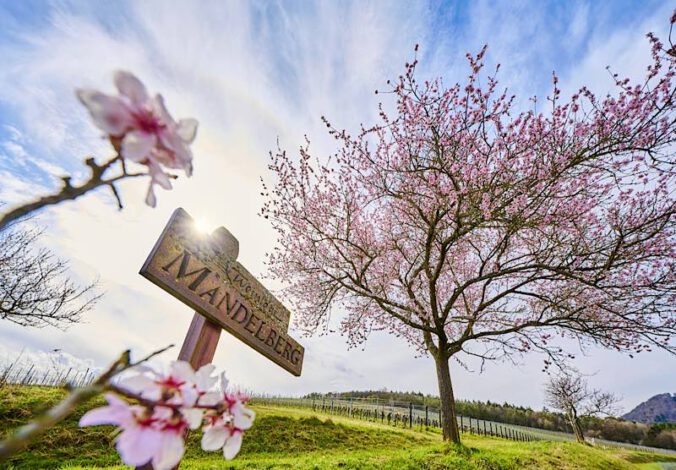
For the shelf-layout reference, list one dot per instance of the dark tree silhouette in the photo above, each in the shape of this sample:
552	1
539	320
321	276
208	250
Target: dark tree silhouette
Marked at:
35	289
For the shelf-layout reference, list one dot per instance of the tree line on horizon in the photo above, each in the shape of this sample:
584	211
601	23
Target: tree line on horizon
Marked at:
662	435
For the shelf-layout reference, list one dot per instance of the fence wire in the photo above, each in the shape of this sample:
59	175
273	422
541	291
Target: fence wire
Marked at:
399	414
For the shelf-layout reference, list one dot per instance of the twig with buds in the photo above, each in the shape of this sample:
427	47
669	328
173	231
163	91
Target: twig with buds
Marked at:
140	129
70	192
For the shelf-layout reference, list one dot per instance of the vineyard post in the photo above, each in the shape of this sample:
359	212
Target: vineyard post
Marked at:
65	378
23	382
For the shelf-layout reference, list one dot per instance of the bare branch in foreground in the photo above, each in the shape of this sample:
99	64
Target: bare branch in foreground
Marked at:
31	431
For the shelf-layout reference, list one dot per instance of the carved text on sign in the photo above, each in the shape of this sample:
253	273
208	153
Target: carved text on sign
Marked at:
201	279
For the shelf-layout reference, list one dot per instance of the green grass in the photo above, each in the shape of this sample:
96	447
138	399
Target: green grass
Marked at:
302	439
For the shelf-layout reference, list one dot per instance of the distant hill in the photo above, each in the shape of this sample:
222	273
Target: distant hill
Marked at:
658	409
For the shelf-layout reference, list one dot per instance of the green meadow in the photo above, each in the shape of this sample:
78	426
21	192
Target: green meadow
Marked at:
302	439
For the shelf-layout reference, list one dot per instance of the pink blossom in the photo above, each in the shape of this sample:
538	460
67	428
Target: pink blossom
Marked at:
146	436
226	430
141	129
170	403
180	385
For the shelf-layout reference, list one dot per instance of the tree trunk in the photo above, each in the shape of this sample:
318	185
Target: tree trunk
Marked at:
449	422
577	427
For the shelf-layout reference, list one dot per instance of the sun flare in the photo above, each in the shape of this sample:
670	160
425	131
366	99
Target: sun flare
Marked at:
202	225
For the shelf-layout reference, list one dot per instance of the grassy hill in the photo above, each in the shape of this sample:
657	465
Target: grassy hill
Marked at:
283	438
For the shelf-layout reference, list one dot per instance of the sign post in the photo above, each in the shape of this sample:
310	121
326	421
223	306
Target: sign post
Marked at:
203	272
199	345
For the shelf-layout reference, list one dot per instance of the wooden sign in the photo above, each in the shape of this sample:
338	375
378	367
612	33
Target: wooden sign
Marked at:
202	271
256	294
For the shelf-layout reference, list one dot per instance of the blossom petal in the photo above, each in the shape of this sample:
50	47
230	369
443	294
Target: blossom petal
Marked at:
243	417
136	145
214	437
116	413
181	152
109	113
141	383
115	401
187	129
193	416
137	446
203	377
189	395
224	382
131	87
170	452
232	446
151	200
103	415
159	109
210	399
163	413
182	370
158	176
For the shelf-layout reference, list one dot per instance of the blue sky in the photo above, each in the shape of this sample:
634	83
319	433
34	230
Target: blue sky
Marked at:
253	72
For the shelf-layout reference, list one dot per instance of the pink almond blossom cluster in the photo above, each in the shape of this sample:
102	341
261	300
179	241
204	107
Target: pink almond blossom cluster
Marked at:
153	430
485	224
141	129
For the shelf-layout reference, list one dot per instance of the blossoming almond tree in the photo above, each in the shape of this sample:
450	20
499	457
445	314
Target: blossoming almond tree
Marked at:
469	229
140	129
